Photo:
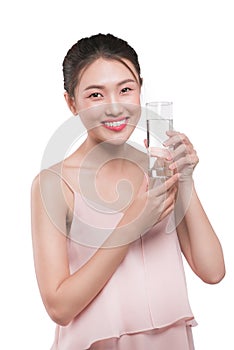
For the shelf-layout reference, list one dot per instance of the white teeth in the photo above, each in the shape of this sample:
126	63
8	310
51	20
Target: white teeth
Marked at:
114	124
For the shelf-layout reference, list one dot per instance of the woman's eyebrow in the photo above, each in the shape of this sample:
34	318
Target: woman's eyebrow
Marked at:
126	81
102	87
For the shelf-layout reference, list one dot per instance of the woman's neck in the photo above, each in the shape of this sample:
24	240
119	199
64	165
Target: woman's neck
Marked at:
96	154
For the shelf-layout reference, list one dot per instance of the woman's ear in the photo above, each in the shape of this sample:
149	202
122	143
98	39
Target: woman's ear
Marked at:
71	103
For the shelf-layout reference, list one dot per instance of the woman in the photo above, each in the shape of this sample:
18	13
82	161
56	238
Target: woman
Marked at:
109	275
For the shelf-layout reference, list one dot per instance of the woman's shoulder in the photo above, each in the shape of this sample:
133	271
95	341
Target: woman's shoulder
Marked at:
47	173
52	176
54	189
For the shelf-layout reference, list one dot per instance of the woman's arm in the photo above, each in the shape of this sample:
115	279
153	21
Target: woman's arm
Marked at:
65	295
198	240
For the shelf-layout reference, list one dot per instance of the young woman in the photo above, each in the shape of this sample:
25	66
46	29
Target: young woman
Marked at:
109	272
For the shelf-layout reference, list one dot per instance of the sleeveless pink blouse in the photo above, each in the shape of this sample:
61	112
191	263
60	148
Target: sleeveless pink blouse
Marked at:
147	291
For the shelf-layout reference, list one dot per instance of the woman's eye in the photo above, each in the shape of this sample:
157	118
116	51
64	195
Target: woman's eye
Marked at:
126	89
95	95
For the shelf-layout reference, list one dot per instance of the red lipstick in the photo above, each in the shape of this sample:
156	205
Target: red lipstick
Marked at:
117	124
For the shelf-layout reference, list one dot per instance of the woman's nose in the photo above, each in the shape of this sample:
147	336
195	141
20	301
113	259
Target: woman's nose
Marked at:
114	109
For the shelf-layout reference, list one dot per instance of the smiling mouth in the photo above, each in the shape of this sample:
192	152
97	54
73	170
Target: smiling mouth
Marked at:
116	125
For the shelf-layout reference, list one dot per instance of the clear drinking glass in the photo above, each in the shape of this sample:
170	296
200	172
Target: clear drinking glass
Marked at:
159	120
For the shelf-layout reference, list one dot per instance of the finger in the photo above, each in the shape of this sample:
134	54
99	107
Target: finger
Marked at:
160	152
173	140
146	143
144	185
181	150
177	138
166	212
163	188
173	190
173	135
184	151
170	196
188	160
169	201
172	132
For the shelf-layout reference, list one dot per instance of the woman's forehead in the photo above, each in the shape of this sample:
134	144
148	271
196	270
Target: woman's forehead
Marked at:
106	70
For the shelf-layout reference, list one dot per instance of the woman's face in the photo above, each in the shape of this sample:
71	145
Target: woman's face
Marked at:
107	99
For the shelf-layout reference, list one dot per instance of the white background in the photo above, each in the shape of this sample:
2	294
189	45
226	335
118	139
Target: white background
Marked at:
186	53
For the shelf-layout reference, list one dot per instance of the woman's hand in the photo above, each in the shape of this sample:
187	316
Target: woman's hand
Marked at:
150	207
183	155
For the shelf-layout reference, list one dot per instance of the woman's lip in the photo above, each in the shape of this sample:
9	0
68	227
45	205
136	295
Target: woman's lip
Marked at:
114	120
116	124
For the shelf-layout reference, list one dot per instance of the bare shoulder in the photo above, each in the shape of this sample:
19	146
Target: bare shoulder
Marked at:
46	178
51	197
62	172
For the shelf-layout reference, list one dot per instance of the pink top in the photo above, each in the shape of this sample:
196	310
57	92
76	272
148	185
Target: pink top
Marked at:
147	291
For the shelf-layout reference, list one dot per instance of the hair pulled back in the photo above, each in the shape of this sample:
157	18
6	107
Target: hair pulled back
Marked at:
89	49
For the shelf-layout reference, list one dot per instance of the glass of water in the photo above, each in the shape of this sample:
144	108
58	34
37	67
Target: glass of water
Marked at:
159	120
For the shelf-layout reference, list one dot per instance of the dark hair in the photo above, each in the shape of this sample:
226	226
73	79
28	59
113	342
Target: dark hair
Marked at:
87	50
